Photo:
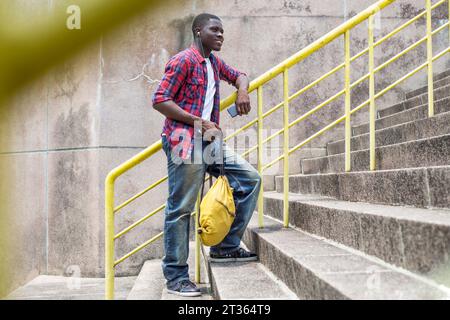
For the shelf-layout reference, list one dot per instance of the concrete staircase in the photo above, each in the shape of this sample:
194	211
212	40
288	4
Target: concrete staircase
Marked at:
368	235
358	235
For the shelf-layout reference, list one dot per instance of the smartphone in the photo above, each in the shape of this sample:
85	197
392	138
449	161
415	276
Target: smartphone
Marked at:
232	111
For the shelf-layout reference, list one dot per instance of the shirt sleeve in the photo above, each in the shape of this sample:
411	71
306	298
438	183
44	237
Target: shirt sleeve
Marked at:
228	73
174	76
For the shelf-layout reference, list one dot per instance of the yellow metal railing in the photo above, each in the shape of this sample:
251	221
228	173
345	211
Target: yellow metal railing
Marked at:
342	30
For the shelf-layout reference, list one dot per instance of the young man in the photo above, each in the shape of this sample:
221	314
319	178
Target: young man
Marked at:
188	96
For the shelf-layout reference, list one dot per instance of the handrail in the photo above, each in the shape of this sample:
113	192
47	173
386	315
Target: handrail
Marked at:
339	120
334	97
313	47
333	71
257	84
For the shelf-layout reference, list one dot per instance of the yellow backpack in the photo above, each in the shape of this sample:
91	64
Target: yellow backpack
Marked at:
217	211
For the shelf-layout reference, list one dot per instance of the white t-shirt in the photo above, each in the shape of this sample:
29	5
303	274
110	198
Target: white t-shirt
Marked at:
210	92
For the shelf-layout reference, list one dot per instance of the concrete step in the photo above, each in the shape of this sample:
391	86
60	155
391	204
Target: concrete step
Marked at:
419	187
246	280
441	75
151	284
439	93
420	112
269	182
414	239
314	268
437	84
45	287
434	151
413	130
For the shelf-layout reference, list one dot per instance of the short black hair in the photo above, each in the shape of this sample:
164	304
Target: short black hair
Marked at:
201	20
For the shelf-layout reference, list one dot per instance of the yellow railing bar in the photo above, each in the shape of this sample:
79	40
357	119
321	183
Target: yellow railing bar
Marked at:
307	51
372	112
266	114
134	225
406	24
142	246
260	157
377	69
248	125
399	55
397	30
317	81
312	111
348	128
396	57
269	112
148	152
303	117
430	61
140	193
312	84
197	278
286	148
330	126
109	212
394	32
396	83
273	162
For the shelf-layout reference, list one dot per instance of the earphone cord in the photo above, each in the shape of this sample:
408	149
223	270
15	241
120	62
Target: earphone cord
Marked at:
201	46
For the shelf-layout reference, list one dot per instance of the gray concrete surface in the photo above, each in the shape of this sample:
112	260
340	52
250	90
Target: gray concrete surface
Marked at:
246	280
316	269
420	187
93	112
419	128
403	116
70	288
433	151
412	238
151	284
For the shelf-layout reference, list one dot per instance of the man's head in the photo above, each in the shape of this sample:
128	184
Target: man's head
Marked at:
208	29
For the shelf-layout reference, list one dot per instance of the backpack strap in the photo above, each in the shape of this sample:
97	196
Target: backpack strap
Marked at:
222	173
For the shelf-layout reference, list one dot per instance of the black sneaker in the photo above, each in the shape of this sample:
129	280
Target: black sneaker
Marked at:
184	288
241	255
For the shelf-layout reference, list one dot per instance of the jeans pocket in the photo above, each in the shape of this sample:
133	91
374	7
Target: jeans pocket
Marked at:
165	145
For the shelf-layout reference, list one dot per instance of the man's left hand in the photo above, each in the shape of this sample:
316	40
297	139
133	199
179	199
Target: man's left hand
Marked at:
243	102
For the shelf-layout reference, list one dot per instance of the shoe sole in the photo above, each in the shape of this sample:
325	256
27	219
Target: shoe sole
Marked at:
187	294
219	260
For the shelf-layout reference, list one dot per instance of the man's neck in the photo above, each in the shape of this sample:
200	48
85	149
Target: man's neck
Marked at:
206	51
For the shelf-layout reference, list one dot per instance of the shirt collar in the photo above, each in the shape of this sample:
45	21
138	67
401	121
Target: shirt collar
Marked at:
198	55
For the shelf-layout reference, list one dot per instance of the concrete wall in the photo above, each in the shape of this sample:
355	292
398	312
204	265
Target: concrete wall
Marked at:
68	130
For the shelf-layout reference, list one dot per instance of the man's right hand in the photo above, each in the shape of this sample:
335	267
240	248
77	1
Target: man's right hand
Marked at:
209	125
212	128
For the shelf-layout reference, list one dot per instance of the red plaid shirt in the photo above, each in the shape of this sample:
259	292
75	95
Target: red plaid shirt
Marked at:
185	82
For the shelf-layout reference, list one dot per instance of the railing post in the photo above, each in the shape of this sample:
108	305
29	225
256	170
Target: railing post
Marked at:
286	149
197	241
260	158
348	128
109	239
372	94
430	61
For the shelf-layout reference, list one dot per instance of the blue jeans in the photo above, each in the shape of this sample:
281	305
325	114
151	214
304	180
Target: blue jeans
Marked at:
185	181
